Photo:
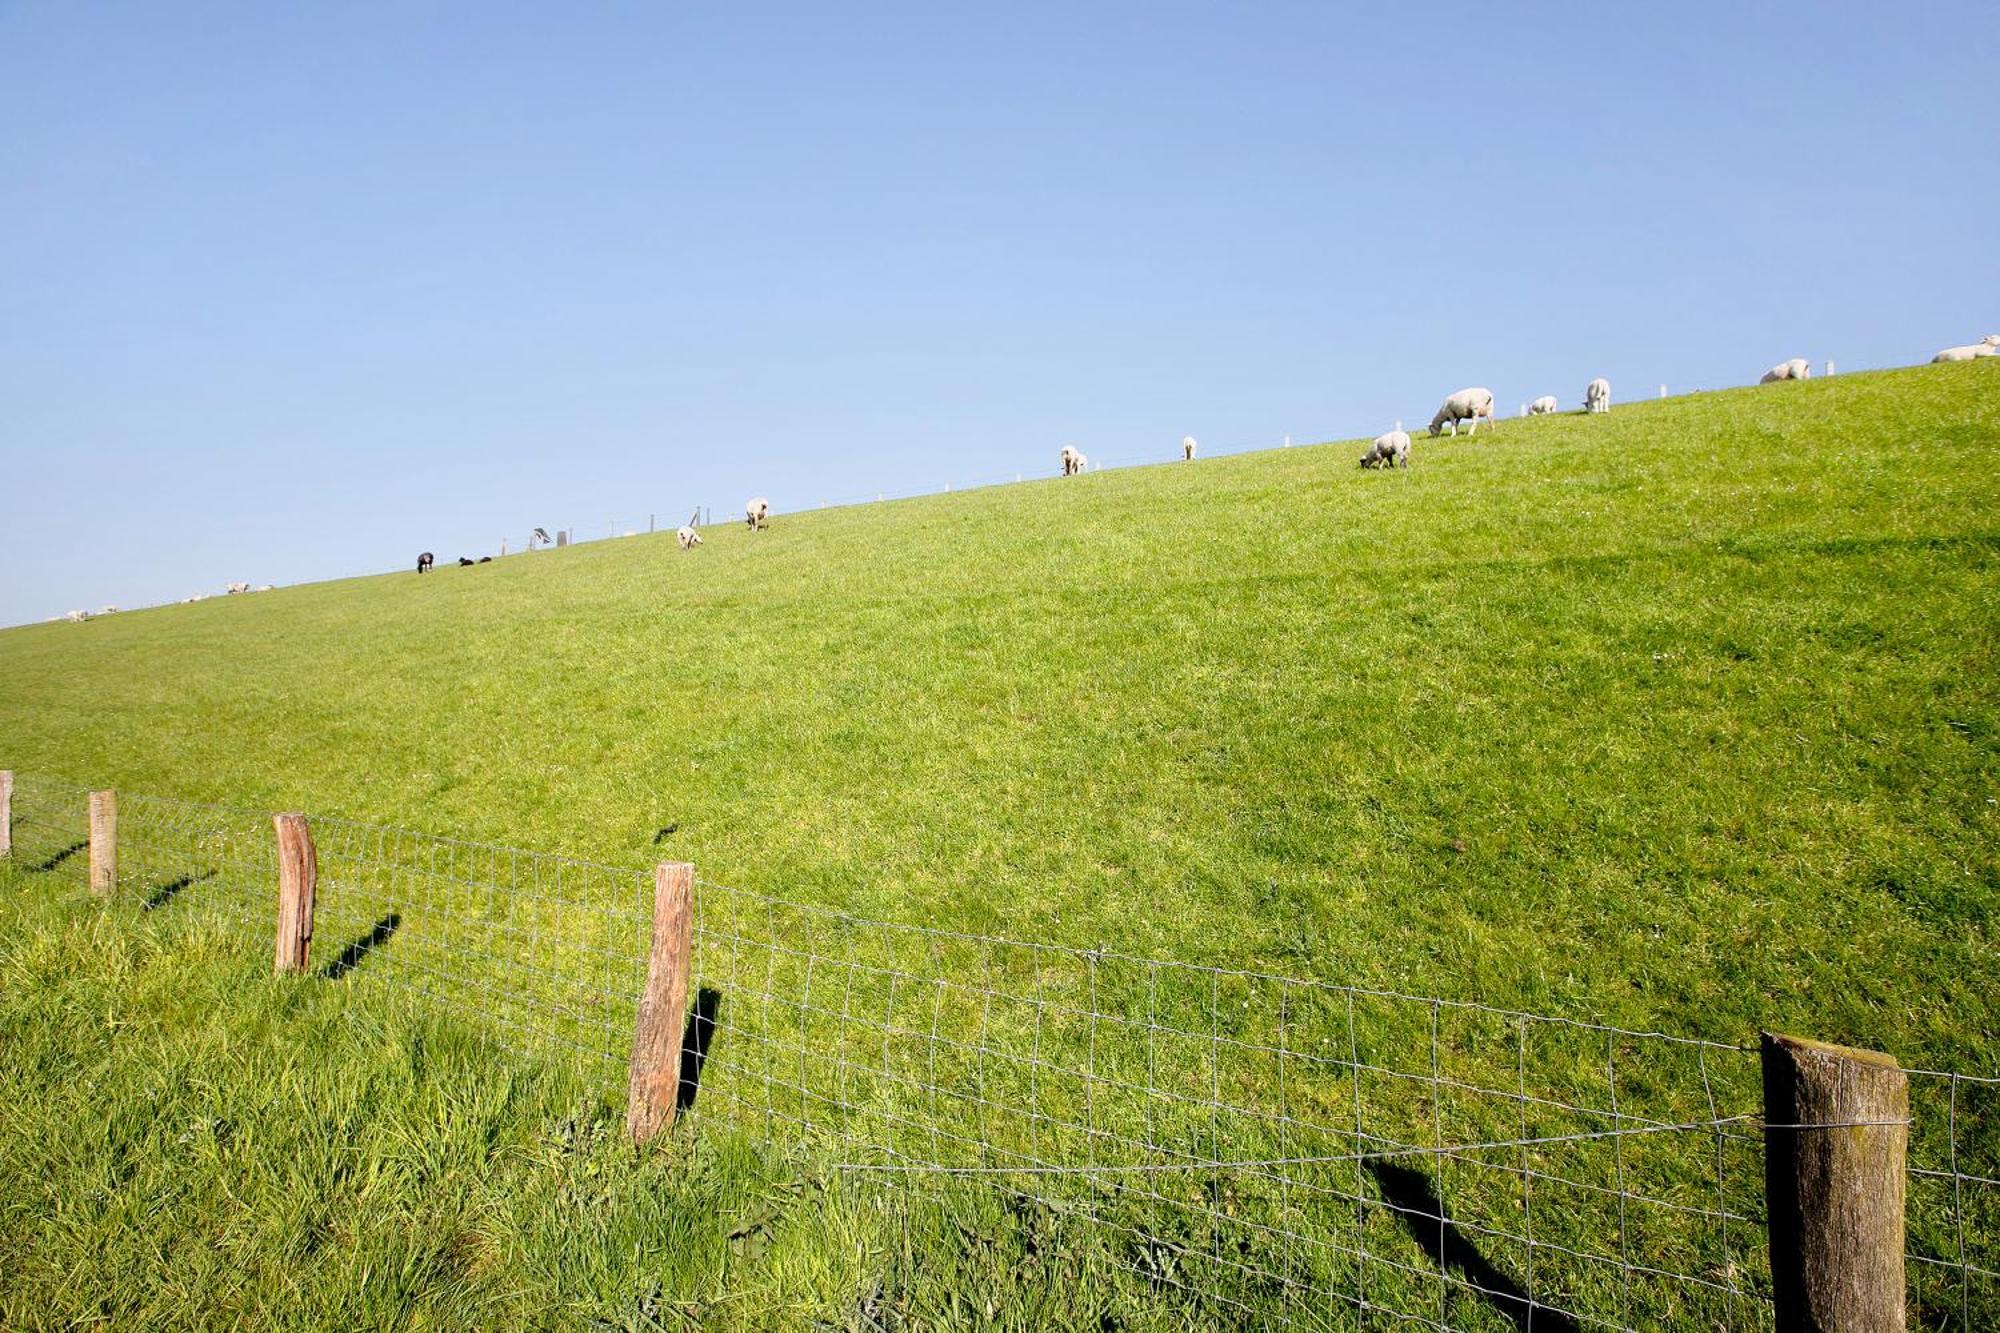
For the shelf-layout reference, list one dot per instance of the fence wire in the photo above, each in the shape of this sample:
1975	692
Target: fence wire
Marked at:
1265	1151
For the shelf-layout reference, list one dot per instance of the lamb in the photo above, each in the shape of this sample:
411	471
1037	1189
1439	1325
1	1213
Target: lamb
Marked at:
1597	397
1542	406
1390	449
1187	449
1465	405
1987	346
424	562
688	537
757	513
1798	368
1072	460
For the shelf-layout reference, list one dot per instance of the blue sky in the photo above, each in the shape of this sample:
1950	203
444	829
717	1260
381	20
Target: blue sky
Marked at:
293	292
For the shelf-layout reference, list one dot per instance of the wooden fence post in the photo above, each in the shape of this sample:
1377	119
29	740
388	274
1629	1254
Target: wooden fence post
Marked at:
298	877
1836	1130
656	1041
6	812
103	843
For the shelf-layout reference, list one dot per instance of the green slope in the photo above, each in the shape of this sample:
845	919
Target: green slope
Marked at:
1681	717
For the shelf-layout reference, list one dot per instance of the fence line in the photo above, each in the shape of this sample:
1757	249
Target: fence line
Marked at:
1281	1151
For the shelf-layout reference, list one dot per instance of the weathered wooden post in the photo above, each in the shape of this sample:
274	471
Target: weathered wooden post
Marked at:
6	812
656	1042
1836	1130
298	879
103	843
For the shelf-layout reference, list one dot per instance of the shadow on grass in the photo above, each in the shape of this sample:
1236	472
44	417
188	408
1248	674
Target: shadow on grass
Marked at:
1409	1193
350	957
65	854
167	892
694	1045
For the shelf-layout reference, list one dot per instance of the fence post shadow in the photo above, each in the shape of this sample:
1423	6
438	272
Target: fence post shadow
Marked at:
694	1045
167	892
350	957
1409	1193
57	858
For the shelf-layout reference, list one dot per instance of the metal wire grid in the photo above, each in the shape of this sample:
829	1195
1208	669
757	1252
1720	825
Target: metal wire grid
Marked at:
1953	1201
1290	1152
51	826
1298	1153
547	952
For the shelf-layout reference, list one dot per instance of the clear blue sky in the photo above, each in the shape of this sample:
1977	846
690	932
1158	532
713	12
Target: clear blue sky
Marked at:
290	292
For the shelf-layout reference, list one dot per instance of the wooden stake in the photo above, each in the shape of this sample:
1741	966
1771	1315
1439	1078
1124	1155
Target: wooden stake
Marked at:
298	879
103	843
1836	1133
656	1043
6	812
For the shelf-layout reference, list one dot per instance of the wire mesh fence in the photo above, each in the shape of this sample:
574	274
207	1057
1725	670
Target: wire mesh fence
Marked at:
1266	1151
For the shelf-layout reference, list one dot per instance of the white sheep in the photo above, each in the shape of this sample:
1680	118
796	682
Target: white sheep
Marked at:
1465	405
757	513
76	617
238	587
688	537
1798	368
1597	397
1543	406
1389	449
1187	448
267	587
1987	346
1072	460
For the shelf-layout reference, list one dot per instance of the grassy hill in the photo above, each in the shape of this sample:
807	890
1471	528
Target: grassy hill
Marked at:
1681	718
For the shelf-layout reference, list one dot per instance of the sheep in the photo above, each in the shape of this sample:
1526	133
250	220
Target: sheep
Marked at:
1072	460
108	611
1597	397
466	562
1543	406
424	562
1389	449
757	513
1798	368
1986	346
238	587
1187	449
688	537
267	587
1465	405
76	617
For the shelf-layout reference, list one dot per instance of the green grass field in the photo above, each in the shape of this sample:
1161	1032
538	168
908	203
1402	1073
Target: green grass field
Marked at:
1682	718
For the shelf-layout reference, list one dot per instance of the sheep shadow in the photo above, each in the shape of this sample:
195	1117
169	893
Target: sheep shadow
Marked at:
694	1045
352	956
167	892
1410	1194
44	867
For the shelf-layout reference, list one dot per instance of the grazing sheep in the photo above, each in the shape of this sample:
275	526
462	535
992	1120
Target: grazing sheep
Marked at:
757	513
1389	449
1465	405
1072	460
1543	406
1798	368
1597	397
1187	449
1971	351
424	562
688	537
